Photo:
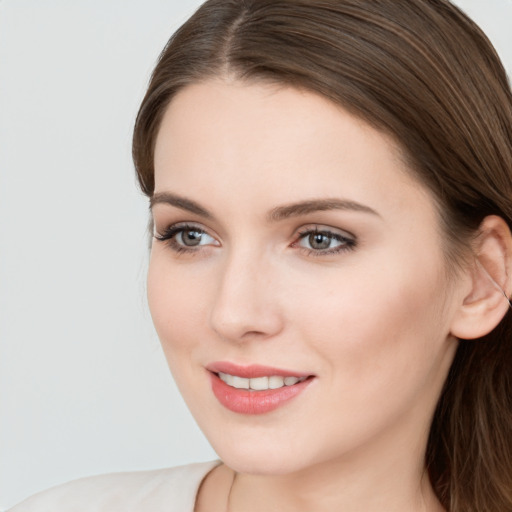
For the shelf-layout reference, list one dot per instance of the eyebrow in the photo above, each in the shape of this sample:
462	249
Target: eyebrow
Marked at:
179	202
316	205
276	214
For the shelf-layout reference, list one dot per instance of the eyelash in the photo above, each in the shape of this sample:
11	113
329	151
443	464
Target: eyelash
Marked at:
347	243
169	236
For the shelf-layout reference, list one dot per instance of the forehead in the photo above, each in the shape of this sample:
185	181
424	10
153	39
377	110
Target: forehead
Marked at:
280	143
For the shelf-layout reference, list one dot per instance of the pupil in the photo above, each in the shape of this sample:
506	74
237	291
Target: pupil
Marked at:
319	241
191	237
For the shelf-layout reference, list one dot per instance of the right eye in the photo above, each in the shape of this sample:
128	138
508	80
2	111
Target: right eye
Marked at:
193	237
185	237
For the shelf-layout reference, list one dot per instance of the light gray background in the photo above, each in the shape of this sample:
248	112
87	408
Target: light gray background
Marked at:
84	387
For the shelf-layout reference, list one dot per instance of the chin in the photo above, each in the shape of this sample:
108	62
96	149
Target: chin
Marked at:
262	464
260	458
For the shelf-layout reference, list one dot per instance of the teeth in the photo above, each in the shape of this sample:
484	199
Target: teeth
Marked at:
228	379
259	383
240	383
275	382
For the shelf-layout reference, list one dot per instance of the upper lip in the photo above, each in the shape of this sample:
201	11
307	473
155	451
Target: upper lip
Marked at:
252	371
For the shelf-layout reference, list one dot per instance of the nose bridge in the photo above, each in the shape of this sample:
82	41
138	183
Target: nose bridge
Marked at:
245	305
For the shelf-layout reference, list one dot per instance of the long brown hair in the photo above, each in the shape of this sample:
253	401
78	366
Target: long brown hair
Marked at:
424	73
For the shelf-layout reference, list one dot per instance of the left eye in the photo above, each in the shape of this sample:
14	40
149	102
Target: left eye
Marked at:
319	240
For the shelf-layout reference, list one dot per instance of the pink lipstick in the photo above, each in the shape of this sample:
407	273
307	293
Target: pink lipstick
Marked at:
255	389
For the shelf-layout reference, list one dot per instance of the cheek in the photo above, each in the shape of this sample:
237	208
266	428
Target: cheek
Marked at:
175	304
379	342
375	330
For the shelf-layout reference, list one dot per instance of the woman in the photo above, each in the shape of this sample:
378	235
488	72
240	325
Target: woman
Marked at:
330	186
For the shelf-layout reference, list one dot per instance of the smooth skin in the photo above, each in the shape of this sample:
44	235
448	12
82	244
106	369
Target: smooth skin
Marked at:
359	295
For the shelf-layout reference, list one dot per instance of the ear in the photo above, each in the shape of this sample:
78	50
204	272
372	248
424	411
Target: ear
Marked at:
487	302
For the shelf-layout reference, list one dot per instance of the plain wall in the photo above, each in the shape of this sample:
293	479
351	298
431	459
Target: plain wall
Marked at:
84	387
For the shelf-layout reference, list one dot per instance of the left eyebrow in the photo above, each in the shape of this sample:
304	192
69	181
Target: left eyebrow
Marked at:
317	205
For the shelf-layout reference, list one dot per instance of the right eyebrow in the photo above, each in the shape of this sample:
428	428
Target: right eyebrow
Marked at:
179	202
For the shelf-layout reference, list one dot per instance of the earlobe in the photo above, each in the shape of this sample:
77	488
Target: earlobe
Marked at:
487	302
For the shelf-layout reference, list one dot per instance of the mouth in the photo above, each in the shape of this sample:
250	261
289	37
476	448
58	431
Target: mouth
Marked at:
259	383
255	389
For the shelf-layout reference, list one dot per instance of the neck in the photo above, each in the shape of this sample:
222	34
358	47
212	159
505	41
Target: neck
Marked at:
324	488
388	474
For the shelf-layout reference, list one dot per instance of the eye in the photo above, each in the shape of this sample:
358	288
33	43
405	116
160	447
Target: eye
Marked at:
319	241
193	237
323	241
183	237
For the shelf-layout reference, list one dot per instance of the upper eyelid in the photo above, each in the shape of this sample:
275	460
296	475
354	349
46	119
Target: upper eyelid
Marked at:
180	225
322	228
334	235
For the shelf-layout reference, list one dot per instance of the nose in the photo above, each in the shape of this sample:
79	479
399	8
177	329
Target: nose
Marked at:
245	306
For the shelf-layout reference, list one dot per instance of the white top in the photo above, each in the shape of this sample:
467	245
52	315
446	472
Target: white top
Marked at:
162	490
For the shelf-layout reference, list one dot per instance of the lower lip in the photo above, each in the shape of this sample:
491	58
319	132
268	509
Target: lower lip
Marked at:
244	401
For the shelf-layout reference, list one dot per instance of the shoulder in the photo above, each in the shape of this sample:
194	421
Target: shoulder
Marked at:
171	489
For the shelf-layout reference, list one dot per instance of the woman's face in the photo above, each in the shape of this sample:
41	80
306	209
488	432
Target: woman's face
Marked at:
293	242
